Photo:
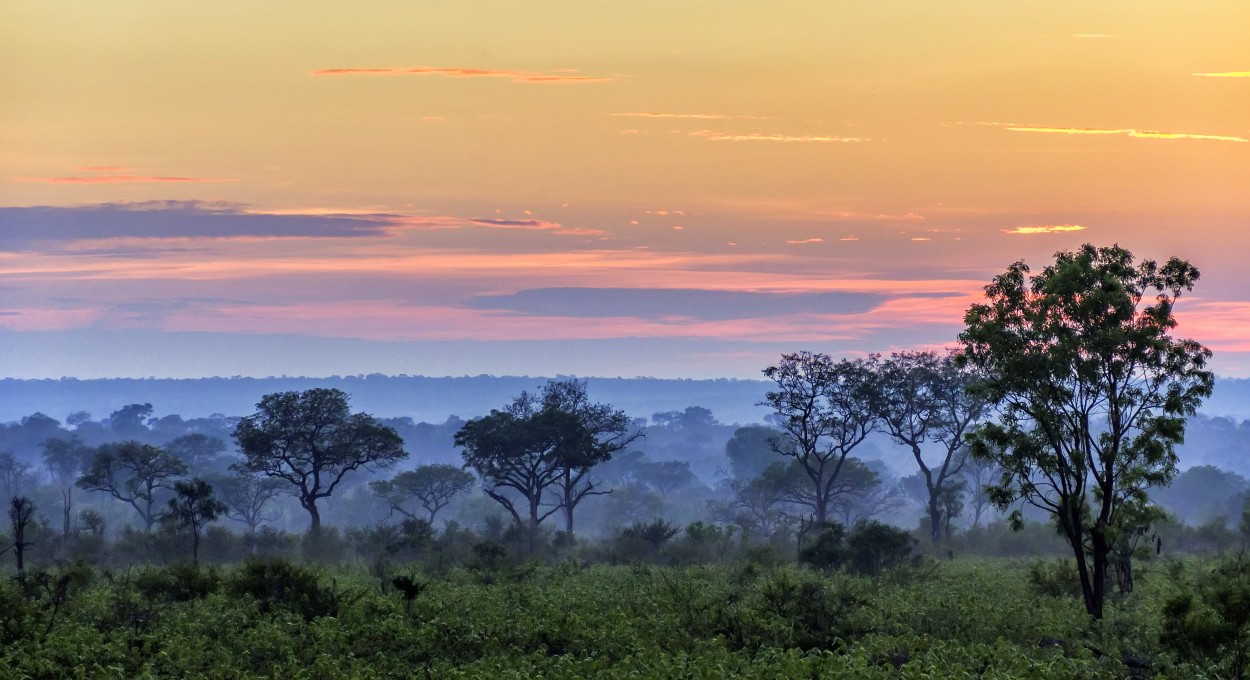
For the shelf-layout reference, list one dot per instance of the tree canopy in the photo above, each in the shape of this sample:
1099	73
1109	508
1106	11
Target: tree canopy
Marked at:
1092	391
312	440
824	410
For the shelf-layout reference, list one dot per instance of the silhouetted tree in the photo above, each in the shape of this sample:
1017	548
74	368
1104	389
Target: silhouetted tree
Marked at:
130	421
666	476
750	451
825	410
195	449
604	431
925	400
1092	391
21	514
312	440
246	494
15	475
65	459
520	449
432	486
133	473
192	507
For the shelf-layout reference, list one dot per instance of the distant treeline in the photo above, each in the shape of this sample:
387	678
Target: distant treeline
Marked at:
417	397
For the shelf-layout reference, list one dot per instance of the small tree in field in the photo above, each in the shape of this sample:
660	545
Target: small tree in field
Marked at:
193	507
1092	392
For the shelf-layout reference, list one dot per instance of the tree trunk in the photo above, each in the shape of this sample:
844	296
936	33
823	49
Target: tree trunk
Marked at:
315	516
68	496
195	546
935	517
1098	543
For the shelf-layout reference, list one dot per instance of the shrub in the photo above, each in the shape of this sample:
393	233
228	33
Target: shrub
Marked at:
826	549
177	583
1213	624
279	584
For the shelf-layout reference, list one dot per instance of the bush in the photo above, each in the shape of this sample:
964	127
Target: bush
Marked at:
1054	578
279	584
178	583
825	550
873	546
1213	624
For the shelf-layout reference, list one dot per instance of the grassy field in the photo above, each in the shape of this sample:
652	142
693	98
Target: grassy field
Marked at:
958	619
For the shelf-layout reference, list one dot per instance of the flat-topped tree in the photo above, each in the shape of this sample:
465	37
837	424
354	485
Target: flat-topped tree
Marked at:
431	486
312	440
1092	392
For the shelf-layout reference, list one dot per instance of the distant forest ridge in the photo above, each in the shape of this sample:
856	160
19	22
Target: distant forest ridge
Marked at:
426	399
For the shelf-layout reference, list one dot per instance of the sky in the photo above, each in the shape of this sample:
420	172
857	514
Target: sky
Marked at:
669	189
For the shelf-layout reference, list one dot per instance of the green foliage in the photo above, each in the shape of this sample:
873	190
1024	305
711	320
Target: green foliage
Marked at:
177	583
1054	578
872	547
1092	391
1211	623
282	585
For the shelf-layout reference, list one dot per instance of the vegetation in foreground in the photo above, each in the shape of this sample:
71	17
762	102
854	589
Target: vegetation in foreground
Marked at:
983	618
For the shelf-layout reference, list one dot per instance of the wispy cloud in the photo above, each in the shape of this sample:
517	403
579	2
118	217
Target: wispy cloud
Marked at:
694	116
536	225
806	240
1126	132
1225	74
1045	229
565	76
715	136
120	179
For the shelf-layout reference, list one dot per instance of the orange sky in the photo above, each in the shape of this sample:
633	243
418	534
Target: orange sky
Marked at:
675	189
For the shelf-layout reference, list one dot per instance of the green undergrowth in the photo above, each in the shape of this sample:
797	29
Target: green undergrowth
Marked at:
958	619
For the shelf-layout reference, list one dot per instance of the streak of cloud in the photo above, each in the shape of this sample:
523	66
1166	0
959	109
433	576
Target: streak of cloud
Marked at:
119	179
1225	74
806	240
692	116
1045	229
1126	132
516	76
715	136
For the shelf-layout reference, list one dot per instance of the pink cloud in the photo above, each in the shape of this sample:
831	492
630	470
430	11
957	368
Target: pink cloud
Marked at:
119	179
561	76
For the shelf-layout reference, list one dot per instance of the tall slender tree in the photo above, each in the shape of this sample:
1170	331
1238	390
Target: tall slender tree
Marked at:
1092	392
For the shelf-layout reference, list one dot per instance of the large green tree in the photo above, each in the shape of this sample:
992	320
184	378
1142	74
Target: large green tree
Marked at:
312	440
1092	392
